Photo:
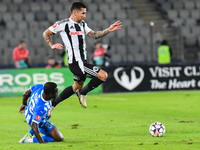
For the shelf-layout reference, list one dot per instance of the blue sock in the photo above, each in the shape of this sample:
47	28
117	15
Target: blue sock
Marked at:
35	140
31	132
45	138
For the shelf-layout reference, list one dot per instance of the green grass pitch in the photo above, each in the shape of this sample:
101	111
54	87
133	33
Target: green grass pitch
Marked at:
112	122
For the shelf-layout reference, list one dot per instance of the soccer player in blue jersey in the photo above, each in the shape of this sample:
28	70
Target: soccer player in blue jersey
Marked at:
36	114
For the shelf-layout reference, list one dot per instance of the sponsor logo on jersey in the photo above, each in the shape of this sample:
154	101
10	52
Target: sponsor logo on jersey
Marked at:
71	27
38	117
54	25
77	33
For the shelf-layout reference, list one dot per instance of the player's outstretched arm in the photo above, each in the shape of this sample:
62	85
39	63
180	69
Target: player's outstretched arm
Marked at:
98	34
35	129
47	37
115	26
26	95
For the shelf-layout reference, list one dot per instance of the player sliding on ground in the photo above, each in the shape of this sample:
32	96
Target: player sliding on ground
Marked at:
36	114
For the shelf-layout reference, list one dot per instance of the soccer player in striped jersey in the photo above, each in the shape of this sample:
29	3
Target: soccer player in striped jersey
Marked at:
36	114
73	31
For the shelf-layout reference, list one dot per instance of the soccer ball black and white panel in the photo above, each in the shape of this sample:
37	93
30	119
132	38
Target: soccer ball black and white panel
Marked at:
157	129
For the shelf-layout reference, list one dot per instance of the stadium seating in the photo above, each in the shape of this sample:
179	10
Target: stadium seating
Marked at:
185	13
29	18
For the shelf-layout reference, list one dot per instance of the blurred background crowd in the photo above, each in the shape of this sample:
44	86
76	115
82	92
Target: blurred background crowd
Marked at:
146	23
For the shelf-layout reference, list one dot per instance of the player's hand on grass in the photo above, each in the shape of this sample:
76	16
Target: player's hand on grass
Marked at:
22	108
57	46
115	26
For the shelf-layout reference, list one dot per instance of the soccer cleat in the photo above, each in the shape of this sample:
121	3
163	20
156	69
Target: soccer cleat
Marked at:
26	139
82	99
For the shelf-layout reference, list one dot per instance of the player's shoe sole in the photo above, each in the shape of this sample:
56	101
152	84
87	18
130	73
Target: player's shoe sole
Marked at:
25	138
82	99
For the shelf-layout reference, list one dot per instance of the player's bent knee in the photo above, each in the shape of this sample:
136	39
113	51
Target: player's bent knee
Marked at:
56	134
61	139
104	76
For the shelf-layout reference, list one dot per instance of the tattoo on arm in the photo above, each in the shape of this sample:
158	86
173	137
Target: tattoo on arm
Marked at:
47	38
98	34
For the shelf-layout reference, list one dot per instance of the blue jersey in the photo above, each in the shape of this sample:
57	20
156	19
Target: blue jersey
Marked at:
37	108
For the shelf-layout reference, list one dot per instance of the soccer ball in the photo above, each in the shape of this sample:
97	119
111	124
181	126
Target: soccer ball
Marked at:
157	129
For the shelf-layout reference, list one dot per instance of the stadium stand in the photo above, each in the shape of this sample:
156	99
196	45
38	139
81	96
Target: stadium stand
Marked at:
188	19
29	18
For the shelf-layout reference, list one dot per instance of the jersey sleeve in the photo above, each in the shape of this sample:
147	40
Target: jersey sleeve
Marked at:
56	27
87	29
39	114
36	86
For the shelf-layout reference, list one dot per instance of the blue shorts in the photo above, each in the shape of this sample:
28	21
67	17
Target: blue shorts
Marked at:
46	127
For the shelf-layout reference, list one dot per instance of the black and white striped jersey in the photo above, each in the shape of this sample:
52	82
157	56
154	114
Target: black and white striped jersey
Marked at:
73	36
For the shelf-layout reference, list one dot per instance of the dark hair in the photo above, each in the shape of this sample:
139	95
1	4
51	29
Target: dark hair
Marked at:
98	42
22	41
77	5
164	42
49	87
50	58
